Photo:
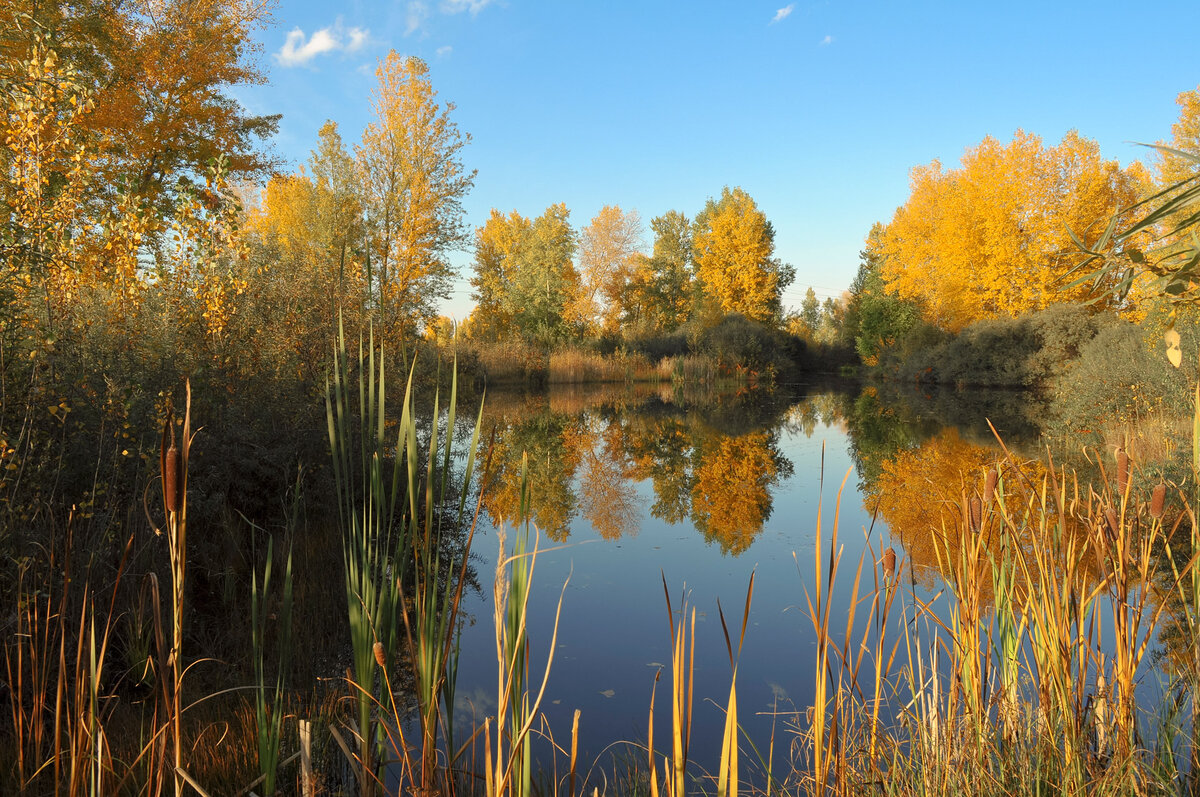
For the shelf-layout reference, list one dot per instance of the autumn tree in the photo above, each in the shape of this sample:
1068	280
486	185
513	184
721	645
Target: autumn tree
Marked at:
546	281
414	183
810	311
339	201
660	293
159	76
1185	137
733	249
608	248
499	251
993	237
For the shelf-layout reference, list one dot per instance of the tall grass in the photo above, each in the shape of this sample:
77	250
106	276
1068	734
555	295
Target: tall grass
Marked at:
508	759
1022	675
398	571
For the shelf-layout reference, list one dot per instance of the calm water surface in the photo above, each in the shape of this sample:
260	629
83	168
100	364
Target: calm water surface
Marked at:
703	491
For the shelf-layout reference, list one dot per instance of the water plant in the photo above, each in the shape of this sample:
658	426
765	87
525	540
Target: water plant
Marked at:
399	574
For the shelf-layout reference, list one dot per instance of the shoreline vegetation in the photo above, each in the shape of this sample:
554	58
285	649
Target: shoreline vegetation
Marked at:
183	416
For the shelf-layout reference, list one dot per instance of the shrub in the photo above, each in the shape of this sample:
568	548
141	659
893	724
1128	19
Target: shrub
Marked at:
1119	377
738	341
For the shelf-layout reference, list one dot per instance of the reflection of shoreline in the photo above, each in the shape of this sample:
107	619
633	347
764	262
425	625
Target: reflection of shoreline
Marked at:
711	456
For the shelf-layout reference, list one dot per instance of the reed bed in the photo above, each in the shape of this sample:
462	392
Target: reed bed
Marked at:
1029	673
515	362
575	365
1060	655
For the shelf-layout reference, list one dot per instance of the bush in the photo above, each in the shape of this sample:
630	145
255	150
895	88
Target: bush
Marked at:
1026	352
738	341
1122	377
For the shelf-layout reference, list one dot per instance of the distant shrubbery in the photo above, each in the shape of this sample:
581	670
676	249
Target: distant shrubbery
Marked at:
1028	351
1122	374
1097	372
732	346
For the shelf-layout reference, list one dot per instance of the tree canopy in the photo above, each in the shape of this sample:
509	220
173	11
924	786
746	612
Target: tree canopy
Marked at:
733	248
993	237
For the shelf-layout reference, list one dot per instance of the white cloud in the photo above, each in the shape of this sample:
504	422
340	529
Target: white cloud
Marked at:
458	6
783	13
827	40
442	52
415	16
298	51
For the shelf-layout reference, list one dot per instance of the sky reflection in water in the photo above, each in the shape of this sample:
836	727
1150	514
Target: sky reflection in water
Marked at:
701	492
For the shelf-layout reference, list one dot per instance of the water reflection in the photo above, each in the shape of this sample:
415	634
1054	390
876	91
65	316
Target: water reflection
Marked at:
702	488
712	461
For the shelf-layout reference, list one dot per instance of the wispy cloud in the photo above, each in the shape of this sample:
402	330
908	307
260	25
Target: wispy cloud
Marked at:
458	6
827	40
299	49
442	52
418	12
783	13
415	15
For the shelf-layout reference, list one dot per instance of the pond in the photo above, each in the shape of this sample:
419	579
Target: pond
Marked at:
633	489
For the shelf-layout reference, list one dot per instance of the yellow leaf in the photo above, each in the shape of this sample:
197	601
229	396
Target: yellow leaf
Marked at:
1174	352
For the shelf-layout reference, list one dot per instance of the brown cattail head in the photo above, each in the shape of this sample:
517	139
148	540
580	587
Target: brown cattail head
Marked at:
989	486
170	479
1114	524
1122	471
380	655
1158	500
889	563
976	514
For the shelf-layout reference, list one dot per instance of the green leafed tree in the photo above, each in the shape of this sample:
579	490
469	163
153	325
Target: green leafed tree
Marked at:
662	287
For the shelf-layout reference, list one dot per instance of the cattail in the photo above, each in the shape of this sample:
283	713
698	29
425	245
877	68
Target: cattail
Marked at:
989	486
1113	523
976	514
889	563
170	479
1122	471
380	656
1157	499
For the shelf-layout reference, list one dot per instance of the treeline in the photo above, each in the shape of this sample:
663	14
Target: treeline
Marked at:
987	275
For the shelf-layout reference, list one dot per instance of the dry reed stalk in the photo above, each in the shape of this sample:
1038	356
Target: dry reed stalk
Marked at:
728	780
173	467
683	661
1122	473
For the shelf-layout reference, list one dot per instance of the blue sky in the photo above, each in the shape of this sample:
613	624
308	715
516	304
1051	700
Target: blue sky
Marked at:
818	110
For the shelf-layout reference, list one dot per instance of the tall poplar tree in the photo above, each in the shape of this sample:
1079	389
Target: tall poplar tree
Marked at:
414	182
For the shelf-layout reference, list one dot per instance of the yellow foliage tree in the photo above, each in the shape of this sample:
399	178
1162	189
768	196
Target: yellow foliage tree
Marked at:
608	249
993	238
733	248
47	169
499	244
158	73
1185	137
414	183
